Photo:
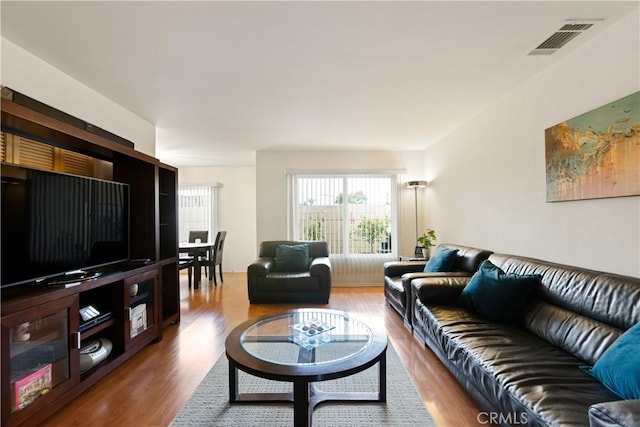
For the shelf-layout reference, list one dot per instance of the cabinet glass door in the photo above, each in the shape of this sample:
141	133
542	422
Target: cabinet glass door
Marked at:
40	353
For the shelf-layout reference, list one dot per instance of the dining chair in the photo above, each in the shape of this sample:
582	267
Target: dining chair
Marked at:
216	258
187	262
203	236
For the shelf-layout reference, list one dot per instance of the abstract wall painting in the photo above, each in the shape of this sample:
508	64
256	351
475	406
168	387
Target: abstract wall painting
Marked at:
597	154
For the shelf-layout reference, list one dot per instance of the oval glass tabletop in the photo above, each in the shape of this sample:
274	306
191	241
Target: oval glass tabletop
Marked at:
306	337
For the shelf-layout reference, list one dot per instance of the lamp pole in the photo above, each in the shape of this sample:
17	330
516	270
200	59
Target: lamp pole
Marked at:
415	196
415	185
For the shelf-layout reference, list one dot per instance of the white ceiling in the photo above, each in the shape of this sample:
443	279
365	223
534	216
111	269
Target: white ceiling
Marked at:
222	80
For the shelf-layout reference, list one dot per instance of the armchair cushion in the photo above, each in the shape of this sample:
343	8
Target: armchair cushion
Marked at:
292	258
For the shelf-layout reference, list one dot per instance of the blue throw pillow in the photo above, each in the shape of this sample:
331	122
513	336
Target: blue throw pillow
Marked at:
291	258
619	367
442	260
496	295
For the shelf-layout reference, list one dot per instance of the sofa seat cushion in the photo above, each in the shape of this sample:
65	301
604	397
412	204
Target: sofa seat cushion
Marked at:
531	379
289	282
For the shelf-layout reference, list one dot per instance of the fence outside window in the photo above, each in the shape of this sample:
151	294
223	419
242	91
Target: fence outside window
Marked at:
197	210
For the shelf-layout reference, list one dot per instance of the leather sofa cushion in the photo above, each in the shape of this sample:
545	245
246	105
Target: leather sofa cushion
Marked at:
317	248
576	334
615	414
606	297
526	374
289	282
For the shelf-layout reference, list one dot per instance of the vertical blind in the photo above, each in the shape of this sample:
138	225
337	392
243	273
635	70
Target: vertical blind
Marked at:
197	210
356	213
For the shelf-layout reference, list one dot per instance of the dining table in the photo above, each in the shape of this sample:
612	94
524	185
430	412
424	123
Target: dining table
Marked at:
197	250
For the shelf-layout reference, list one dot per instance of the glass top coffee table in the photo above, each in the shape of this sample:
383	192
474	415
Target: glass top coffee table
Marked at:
305	346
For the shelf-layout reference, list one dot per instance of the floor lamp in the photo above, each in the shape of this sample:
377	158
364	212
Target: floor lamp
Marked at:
415	185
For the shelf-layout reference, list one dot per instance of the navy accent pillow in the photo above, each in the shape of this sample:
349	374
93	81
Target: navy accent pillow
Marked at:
496	295
618	368
291	258
442	260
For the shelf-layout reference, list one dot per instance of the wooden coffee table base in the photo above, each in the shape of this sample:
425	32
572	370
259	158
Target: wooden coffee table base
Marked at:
306	396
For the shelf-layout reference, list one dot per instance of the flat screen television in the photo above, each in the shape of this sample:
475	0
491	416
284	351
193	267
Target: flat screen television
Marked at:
55	224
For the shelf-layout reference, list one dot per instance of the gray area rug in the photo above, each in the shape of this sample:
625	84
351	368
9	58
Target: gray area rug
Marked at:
209	405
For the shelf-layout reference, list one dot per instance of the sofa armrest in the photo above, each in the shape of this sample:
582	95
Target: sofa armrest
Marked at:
260	267
439	290
407	278
617	413
320	267
398	268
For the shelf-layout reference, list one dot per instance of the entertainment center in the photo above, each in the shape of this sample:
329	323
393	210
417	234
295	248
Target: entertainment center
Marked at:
90	264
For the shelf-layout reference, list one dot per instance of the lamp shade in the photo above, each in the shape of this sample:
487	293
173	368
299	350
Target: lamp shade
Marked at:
416	184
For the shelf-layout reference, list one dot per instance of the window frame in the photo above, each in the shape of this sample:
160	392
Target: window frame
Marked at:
293	203
213	211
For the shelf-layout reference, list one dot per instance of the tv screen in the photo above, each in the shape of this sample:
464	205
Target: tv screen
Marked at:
54	223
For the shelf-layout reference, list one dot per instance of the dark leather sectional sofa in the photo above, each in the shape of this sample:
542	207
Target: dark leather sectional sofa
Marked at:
529	372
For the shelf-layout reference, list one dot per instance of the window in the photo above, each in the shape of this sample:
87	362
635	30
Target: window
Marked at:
197	210
354	213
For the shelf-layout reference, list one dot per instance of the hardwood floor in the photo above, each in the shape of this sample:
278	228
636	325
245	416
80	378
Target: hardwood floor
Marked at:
150	388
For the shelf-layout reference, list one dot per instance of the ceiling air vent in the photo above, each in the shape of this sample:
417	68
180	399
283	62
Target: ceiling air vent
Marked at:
561	37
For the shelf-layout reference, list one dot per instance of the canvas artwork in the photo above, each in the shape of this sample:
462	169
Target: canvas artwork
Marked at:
596	154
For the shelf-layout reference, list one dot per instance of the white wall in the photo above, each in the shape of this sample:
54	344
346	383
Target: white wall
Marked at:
271	188
237	214
31	76
487	178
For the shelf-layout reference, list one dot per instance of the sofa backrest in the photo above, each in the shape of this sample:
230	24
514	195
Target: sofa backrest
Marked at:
317	248
467	259
581	311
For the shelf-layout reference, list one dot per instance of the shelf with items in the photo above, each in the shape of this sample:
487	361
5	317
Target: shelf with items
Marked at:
99	308
141	302
97	329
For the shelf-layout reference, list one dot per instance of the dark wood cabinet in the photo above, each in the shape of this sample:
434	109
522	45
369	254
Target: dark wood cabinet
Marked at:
42	330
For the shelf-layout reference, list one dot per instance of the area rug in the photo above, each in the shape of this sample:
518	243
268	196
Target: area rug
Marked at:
209	405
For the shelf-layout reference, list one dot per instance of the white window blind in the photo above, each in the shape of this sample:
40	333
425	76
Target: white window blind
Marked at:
355	213
197	210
